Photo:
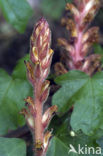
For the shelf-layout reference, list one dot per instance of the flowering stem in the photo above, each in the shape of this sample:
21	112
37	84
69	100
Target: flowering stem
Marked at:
37	72
83	12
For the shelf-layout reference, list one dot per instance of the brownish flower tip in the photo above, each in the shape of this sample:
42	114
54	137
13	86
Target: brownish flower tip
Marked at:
24	112
91	8
71	24
29	117
45	85
63	21
94	37
38	145
40	25
72	8
47	138
62	42
29	100
87	19
47	116
40	41
30	71
60	69
91	63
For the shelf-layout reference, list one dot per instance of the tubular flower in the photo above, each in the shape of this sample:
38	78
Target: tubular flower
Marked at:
37	72
81	39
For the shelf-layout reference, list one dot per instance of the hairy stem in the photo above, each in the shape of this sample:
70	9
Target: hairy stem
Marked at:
38	117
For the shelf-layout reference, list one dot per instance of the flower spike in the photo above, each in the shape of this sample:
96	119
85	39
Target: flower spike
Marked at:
37	72
82	39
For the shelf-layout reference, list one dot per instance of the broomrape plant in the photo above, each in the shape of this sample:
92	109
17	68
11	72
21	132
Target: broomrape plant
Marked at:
37	72
81	38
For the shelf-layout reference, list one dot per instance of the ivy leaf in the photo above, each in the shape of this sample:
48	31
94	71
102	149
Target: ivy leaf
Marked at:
57	147
86	94
13	91
90	104
16	13
63	142
71	83
12	147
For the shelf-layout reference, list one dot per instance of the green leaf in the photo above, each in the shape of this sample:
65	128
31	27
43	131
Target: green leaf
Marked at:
20	69
71	83
86	94
13	91
57	147
12	147
90	104
16	12
61	143
53	8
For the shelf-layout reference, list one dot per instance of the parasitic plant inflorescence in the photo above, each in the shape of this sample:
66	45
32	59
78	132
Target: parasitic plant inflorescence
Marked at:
81	38
37	71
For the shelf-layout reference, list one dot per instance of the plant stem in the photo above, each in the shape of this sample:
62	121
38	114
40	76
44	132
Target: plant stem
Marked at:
38	117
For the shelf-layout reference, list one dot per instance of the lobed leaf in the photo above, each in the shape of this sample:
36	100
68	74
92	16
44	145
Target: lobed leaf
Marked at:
16	13
62	141
13	90
71	82
12	147
57	147
86	95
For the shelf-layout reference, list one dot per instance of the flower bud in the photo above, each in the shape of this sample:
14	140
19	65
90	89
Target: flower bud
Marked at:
29	118
89	11
65	44
40	52
60	69
44	91
30	71
47	116
29	100
72	8
47	137
40	41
